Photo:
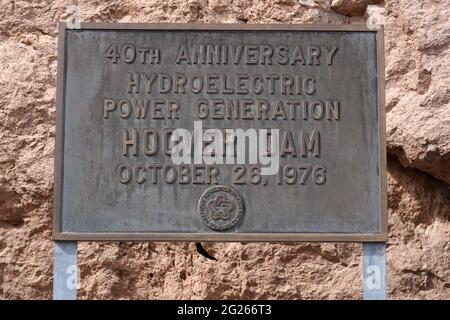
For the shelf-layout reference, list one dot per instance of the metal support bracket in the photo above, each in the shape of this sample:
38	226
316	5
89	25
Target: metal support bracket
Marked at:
374	271
65	270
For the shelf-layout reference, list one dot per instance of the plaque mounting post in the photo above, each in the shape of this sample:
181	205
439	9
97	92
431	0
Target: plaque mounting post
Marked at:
65	270
374	271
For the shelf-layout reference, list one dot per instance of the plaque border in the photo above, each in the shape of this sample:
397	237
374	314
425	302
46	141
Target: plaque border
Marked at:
57	233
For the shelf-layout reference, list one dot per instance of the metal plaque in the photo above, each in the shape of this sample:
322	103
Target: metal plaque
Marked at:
185	132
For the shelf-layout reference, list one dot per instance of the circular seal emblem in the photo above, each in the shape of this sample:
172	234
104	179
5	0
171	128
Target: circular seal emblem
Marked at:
221	207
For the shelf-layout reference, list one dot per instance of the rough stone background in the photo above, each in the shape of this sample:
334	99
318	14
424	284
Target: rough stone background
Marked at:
418	133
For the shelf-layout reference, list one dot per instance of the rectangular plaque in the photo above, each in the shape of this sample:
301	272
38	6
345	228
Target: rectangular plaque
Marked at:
141	107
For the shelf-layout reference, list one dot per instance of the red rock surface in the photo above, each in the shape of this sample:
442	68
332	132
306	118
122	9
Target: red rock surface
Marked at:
418	125
352	7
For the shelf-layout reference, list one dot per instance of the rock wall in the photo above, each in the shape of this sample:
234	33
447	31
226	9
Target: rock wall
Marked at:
418	133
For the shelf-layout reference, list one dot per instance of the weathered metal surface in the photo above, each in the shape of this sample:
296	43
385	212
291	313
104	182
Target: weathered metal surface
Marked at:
374	273
105	164
65	270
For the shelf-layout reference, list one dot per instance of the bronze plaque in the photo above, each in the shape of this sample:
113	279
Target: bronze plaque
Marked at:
220	133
